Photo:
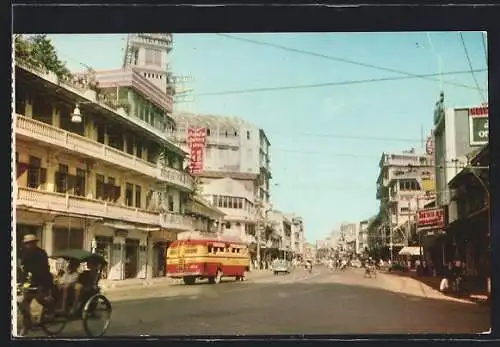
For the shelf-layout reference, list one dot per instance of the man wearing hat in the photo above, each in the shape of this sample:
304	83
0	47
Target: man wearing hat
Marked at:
35	261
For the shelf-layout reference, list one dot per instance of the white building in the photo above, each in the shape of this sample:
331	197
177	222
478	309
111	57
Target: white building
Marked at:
235	149
362	239
405	181
298	237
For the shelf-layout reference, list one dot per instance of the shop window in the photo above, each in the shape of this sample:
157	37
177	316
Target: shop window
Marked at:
36	174
80	182
129	194
138	195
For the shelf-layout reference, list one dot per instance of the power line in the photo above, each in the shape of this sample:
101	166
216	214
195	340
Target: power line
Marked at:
470	67
347	137
330	84
344	60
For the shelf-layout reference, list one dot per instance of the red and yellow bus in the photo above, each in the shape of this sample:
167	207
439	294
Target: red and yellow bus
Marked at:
212	259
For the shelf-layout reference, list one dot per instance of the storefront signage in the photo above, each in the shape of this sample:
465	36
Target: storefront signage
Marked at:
432	218
478	126
196	139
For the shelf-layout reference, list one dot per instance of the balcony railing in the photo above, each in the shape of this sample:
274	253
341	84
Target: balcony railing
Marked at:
176	222
50	134
90	207
79	205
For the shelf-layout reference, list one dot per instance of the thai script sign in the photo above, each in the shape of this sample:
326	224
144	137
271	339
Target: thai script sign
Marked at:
432	218
196	139
478	126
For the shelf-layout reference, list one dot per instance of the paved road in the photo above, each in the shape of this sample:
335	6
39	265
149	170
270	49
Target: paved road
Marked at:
300	303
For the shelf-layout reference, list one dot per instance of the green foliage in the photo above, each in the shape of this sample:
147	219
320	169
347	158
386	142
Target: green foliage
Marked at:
38	52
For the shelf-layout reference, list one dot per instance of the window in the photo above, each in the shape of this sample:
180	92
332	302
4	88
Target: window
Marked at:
225	201
138	194
149	199
405	209
99	187
67	238
36	175
62	180
129	194
130	143
170	203
208	131
139	147
80	182
230	202
248	135
101	130
240	203
228	225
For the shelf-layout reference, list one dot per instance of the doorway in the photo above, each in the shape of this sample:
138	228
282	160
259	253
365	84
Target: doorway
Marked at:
131	258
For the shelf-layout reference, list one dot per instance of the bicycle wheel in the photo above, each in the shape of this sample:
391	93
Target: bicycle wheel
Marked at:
96	308
52	323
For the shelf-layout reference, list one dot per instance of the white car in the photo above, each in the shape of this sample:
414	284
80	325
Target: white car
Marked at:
356	263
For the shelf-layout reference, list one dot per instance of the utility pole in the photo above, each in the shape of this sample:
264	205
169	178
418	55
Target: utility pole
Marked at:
258	231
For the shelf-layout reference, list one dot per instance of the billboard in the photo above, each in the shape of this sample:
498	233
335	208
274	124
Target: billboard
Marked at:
431	218
478	125
196	140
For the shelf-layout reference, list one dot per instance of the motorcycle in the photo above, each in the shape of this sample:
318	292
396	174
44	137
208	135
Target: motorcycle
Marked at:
309	267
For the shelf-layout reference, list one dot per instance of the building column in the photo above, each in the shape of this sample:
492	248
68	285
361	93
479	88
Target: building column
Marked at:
51	170
89	237
48	238
150	259
117	265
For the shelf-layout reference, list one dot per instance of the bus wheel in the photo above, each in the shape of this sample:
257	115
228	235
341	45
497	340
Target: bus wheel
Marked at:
189	280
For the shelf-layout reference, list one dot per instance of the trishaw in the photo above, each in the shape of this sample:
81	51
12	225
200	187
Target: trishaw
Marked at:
92	305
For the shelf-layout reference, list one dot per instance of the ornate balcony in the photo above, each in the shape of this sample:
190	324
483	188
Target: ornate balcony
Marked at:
49	134
50	201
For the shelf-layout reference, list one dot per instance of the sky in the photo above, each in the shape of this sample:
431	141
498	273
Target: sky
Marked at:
326	142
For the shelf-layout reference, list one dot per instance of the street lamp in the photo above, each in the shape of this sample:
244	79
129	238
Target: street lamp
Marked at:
76	116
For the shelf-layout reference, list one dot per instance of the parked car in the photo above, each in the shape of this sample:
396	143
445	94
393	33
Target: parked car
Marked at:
281	266
356	263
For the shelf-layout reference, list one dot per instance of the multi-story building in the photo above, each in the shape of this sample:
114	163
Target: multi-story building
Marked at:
282	225
310	252
236	171
362	239
403	182
298	237
91	174
349	236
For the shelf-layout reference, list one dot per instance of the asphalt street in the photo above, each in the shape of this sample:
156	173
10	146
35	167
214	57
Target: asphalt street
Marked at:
323	302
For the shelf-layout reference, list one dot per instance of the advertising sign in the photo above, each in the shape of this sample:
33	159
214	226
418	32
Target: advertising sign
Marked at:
431	218
196	139
429	145
478	126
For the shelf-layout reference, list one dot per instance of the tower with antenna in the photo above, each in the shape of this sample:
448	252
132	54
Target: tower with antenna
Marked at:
148	55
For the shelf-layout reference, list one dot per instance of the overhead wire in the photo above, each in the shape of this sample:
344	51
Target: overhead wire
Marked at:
343	60
330	84
470	66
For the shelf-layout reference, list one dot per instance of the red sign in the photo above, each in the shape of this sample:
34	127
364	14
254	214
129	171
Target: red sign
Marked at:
431	218
481	111
196	139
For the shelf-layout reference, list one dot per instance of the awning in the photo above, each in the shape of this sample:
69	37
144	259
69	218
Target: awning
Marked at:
411	250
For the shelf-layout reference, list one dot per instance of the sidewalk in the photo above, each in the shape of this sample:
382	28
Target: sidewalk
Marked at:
428	286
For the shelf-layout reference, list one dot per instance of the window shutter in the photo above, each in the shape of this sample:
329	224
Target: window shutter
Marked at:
43	175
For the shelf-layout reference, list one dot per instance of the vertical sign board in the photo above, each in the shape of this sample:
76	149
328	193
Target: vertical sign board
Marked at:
196	142
478	125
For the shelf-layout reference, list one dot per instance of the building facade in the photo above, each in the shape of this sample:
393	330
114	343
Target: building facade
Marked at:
405	184
91	173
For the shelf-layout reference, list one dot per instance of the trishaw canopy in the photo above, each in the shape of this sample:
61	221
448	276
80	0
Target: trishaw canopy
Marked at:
79	255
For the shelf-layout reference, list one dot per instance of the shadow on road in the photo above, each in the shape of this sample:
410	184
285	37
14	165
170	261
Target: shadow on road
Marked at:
244	308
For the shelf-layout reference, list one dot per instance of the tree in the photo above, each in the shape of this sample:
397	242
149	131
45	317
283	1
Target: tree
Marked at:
39	52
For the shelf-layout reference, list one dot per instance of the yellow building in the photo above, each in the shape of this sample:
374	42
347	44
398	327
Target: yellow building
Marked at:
109	180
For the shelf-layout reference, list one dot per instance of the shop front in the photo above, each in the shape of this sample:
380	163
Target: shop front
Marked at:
125	248
160	240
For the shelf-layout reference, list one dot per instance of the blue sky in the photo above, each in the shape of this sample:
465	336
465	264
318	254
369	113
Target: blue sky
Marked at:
319	175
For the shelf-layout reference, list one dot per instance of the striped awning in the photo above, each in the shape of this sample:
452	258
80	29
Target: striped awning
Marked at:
411	250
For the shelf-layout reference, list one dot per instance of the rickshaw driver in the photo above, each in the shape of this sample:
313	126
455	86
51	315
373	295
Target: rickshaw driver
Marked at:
87	279
36	261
